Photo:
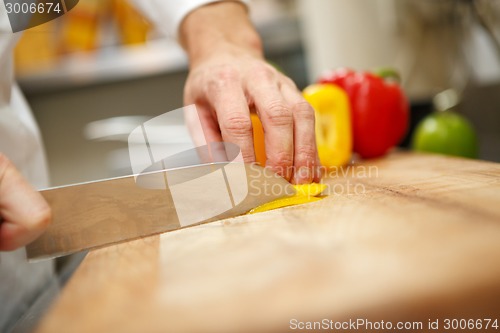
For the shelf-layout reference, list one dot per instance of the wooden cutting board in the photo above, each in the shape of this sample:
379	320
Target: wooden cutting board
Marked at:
409	237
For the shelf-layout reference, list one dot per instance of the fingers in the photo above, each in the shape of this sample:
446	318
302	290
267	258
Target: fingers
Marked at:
277	120
288	122
307	167
24	212
226	96
202	125
205	133
287	119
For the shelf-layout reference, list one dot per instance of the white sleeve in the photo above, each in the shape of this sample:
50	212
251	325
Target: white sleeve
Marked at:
5	26
167	15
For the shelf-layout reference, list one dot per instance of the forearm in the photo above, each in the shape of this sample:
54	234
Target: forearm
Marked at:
221	26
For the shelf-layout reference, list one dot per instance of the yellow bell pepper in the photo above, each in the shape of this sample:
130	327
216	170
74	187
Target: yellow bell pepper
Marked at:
305	193
333	126
333	123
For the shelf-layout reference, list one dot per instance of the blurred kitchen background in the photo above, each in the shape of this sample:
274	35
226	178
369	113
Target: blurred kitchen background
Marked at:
102	69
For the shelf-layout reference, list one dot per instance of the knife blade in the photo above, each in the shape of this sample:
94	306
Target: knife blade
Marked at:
100	213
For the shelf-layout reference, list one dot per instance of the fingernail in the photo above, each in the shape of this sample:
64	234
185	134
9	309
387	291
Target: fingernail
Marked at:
303	175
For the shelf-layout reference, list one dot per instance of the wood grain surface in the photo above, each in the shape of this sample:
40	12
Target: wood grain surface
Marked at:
404	238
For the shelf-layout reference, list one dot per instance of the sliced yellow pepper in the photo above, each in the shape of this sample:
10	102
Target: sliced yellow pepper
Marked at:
333	123
305	193
284	202
309	190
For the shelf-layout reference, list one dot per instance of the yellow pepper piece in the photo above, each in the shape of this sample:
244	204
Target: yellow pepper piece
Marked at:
333	123
309	190
305	193
258	140
284	202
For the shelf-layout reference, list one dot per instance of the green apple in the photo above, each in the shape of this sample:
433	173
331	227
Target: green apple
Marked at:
446	132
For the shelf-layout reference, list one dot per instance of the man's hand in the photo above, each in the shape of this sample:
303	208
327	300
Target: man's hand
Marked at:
229	78
24	214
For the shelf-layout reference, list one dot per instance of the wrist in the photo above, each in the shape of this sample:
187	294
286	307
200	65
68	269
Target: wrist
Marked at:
221	27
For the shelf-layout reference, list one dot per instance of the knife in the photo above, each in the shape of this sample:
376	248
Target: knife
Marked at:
100	213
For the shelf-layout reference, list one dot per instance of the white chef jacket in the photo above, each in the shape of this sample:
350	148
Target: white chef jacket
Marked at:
20	141
168	15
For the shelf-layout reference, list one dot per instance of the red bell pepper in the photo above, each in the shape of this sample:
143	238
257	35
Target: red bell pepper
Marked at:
379	109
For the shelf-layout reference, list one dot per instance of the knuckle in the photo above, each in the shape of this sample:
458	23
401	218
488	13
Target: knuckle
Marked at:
222	77
288	81
303	110
306	154
237	125
278	114
226	74
264	72
281	160
248	157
